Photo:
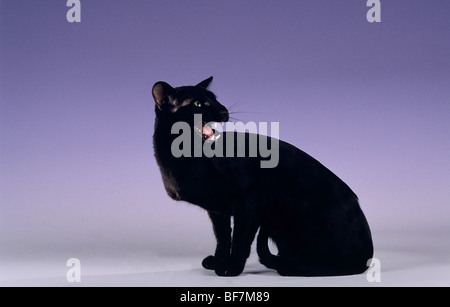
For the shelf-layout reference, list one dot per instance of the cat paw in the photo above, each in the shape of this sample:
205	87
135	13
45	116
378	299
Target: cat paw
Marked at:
209	263
230	270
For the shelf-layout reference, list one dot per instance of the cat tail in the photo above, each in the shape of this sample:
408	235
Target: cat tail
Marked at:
262	248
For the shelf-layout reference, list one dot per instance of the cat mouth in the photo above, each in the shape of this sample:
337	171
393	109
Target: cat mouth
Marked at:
209	131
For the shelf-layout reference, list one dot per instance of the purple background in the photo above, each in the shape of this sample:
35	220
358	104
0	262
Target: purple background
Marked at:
370	101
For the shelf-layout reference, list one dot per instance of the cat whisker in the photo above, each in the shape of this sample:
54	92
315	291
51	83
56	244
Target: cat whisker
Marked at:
235	119
245	112
237	104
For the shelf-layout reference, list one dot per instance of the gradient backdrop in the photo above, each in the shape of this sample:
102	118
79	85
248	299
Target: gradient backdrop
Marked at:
370	101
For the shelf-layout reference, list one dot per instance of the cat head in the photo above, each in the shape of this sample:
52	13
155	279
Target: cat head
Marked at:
182	103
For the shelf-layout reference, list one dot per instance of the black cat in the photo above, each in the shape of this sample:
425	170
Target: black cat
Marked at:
312	216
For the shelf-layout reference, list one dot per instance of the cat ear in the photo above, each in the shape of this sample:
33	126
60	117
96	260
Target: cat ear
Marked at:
205	83
163	93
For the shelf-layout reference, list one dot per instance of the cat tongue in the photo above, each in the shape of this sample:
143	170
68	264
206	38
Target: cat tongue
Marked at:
207	131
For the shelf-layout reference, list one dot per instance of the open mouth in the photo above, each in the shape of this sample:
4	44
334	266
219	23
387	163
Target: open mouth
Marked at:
209	131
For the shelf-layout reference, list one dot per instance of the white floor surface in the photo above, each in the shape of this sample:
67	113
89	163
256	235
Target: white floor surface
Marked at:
407	258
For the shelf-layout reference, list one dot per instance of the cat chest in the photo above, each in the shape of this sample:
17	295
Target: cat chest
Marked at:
203	192
183	185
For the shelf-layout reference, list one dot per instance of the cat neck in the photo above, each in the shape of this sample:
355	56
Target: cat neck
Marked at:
162	141
162	136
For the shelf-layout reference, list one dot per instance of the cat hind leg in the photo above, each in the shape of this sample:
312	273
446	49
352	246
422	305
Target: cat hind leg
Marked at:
310	268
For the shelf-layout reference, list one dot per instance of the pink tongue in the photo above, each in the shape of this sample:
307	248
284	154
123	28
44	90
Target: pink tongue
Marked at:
208	131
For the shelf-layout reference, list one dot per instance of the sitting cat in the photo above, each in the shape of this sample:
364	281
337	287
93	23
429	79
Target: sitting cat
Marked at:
313	217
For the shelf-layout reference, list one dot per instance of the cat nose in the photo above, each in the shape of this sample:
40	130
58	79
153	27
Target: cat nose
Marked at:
224	115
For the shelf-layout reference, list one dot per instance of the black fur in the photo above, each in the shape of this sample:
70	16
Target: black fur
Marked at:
312	216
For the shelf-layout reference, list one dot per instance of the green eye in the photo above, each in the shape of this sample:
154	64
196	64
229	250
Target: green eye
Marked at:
198	104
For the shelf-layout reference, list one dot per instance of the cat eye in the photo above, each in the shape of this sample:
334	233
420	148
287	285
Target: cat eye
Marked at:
198	104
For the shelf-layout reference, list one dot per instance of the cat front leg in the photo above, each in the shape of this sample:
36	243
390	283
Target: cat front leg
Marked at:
245	228
222	230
